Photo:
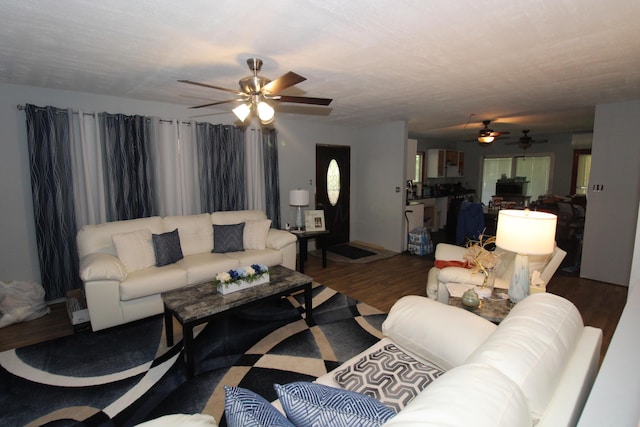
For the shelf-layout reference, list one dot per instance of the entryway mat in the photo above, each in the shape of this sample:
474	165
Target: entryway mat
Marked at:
349	251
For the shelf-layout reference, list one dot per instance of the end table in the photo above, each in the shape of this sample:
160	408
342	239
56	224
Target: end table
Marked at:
303	237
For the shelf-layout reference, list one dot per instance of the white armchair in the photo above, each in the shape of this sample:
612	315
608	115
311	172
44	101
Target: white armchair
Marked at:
438	278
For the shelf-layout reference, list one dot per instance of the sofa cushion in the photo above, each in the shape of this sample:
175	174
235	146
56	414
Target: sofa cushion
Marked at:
202	268
135	249
435	332
389	375
166	247
268	257
196	234
315	404
99	237
228	238
243	407
532	345
255	234
152	281
469	395
234	217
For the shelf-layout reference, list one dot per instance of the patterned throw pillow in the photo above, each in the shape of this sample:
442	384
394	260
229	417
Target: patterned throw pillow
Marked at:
228	238
322	406
243	407
166	247
388	375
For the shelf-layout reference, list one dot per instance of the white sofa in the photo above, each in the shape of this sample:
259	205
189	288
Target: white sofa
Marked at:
535	368
438	278
118	292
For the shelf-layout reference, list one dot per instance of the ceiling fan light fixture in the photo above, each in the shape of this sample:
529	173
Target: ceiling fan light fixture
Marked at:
242	111
486	139
266	113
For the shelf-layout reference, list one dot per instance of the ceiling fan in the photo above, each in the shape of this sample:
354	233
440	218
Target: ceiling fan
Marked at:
257	93
526	141
486	135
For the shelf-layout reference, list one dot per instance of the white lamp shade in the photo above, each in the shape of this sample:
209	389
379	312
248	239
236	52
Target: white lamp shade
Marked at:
486	139
242	111
299	197
526	232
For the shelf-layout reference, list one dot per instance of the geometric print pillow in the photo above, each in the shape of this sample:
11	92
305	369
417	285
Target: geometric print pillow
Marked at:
317	405
228	238
388	375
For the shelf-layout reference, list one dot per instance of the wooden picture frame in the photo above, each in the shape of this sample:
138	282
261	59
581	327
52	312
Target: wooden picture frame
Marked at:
314	220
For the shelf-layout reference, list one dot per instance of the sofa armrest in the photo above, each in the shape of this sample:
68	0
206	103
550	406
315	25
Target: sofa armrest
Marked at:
460	275
278	239
440	333
102	266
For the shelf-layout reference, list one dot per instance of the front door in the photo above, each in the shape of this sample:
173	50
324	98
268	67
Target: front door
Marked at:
333	180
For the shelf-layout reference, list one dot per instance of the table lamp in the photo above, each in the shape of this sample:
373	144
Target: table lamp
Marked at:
526	233
299	198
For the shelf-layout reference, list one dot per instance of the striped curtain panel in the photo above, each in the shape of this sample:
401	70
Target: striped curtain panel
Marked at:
271	176
221	162
128	171
52	192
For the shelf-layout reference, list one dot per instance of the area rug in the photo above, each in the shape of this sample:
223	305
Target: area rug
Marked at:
350	251
376	254
126	375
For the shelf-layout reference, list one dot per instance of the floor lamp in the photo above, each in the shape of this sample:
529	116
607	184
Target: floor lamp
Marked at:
526	233
299	198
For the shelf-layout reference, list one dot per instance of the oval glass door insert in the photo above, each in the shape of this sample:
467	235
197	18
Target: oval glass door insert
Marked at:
333	182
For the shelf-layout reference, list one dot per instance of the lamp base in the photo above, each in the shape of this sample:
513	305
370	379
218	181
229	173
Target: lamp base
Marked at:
519	286
299	223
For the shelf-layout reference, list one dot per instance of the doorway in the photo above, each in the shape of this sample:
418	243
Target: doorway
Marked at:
333	190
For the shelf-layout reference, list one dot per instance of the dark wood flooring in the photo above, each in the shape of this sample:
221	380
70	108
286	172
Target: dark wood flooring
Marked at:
378	284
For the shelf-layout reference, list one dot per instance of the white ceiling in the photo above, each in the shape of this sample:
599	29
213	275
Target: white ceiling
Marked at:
538	64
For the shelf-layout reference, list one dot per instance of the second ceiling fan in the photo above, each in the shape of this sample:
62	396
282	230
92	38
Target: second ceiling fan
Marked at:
525	141
486	135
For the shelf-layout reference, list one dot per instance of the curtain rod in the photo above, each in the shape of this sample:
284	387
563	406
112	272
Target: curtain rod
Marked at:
22	107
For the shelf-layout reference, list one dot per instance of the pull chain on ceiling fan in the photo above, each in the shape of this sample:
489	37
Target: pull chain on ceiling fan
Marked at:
256	93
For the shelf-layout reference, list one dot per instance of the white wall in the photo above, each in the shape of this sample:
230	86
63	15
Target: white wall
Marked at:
610	223
297	139
378	215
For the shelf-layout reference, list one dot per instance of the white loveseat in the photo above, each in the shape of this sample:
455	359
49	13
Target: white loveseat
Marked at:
437	278
535	368
119	291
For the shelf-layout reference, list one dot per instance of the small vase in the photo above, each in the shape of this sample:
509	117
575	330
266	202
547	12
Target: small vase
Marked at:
470	299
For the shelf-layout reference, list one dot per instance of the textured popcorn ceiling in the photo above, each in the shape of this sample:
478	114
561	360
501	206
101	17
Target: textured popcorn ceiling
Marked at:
538	64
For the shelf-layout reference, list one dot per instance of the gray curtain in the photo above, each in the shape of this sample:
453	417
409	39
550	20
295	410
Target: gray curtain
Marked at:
52	192
128	171
221	160
271	176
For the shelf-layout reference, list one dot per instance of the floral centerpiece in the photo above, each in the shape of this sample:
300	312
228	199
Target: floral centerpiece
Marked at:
241	278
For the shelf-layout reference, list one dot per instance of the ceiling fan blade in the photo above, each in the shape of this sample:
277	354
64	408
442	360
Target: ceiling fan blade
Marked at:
217	103
305	100
237	92
283	82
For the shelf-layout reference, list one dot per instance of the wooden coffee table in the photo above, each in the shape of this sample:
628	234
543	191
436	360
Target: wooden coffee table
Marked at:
197	304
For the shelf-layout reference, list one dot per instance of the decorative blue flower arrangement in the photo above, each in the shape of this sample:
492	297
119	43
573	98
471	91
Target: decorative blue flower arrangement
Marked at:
242	274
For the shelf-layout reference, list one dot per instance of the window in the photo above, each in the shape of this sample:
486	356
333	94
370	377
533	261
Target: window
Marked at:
536	168
419	166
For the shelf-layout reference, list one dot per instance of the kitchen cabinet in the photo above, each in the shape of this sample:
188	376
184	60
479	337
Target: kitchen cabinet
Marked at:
443	163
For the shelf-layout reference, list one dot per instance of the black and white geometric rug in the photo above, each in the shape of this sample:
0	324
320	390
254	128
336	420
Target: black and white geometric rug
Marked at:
126	375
